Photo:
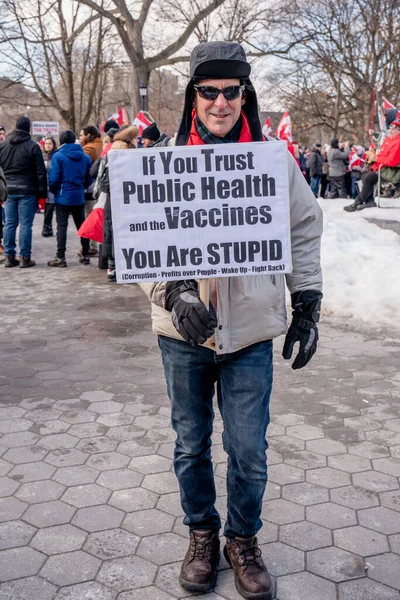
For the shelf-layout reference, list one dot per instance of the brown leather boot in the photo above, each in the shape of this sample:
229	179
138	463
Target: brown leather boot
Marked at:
199	567
251	575
11	261
25	262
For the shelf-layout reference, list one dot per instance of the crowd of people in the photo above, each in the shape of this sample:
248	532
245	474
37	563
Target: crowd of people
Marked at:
66	181
346	170
70	180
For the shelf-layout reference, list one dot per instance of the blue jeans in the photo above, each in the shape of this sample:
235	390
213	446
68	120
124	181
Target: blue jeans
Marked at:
244	383
315	183
19	210
354	187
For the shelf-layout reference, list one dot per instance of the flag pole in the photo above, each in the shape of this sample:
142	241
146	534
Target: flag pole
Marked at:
373	110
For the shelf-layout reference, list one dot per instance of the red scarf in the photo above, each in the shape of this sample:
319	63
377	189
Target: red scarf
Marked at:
195	139
106	148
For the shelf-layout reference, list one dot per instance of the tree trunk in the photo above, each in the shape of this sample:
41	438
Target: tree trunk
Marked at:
140	76
337	106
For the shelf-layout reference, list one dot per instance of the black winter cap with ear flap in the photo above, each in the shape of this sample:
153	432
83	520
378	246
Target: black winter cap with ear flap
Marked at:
219	60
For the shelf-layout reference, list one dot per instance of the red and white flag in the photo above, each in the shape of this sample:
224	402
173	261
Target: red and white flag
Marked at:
92	227
122	116
267	129
355	160
386	104
142	120
284	129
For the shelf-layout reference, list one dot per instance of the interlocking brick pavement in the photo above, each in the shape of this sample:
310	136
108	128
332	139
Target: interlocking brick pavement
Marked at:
89	504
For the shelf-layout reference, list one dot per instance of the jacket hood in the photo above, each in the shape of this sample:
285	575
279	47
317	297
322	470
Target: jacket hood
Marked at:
127	134
163	137
72	151
18	136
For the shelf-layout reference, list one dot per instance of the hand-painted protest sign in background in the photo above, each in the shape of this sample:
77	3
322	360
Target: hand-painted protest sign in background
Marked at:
200	211
43	127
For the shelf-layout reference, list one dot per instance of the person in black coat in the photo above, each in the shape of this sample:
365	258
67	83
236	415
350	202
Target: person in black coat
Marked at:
315	162
23	165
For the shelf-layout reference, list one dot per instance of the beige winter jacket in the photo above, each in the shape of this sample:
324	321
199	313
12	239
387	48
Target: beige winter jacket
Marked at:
252	308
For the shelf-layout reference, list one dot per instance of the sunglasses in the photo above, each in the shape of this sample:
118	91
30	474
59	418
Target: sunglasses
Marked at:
208	92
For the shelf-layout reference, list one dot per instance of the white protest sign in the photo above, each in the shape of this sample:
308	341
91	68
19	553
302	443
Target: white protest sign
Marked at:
43	127
200	211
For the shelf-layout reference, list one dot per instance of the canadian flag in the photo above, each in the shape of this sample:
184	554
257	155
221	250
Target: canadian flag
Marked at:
142	120
284	129
92	227
355	160
122	116
267	127
386	104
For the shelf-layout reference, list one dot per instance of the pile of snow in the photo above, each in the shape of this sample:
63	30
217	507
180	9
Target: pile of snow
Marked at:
361	267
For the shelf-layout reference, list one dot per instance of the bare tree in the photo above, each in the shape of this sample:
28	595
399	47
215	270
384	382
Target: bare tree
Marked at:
351	47
56	48
157	33
145	28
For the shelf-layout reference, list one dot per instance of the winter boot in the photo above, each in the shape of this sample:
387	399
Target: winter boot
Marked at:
57	262
11	261
252	579
92	252
369	204
26	262
47	232
199	567
84	260
111	275
353	207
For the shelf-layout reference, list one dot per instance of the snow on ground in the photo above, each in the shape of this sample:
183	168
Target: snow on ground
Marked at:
361	268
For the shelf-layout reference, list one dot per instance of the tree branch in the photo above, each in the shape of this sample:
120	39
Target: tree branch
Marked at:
159	59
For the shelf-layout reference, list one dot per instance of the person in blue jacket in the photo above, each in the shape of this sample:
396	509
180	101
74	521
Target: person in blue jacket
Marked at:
69	176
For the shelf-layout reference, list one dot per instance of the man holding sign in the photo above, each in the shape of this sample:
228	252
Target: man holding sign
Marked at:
244	314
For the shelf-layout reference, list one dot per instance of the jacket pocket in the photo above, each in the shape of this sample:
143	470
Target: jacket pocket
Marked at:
255	293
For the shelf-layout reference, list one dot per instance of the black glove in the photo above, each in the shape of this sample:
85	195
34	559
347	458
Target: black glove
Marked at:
189	315
305	316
